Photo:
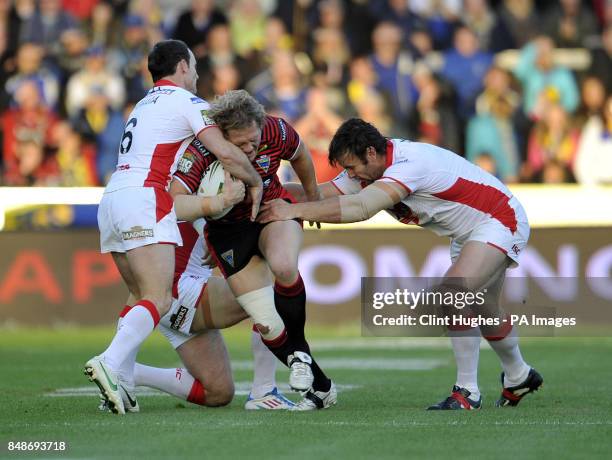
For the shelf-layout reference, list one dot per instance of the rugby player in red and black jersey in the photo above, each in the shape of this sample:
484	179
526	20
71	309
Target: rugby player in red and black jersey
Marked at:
247	251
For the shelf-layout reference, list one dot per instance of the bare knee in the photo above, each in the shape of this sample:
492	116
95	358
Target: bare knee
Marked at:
285	271
220	393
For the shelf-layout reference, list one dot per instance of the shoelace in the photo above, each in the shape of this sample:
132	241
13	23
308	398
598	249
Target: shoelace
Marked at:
300	369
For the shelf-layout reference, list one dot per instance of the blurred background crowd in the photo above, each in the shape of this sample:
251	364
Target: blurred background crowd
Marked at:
522	88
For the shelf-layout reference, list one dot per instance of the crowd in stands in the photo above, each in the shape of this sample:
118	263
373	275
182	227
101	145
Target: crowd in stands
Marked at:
522	88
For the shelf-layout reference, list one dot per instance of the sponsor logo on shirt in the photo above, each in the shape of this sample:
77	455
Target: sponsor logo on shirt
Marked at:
197	100
200	147
515	249
137	233
283	129
177	320
263	162
186	162
207	120
267	182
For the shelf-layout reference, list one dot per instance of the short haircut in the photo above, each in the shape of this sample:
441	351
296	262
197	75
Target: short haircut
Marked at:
354	137
165	56
236	109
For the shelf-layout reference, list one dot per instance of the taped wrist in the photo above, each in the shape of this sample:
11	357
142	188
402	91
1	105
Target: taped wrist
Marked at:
259	305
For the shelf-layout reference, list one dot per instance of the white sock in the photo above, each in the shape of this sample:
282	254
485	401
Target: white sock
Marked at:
176	381
264	367
515	368
126	368
135	327
466	346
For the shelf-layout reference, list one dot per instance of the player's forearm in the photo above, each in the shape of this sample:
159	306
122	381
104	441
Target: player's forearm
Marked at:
319	211
304	168
192	207
238	165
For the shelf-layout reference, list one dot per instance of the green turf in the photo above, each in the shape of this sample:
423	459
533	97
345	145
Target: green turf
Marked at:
570	418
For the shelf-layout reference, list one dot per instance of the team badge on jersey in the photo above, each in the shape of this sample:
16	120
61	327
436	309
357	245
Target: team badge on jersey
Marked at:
228	256
263	162
207	120
186	162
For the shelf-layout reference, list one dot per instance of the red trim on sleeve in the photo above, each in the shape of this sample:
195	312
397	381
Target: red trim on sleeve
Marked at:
401	183
497	247
125	311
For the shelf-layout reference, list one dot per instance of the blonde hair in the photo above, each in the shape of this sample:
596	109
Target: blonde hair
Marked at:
236	109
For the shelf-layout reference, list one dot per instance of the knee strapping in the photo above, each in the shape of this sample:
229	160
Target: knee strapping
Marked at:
259	305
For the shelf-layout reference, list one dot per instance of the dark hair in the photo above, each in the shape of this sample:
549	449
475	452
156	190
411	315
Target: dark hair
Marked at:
353	137
165	56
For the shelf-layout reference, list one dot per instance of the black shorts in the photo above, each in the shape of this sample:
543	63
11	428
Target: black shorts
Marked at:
232	245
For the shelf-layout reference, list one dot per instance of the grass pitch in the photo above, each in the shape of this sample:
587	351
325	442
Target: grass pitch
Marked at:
380	412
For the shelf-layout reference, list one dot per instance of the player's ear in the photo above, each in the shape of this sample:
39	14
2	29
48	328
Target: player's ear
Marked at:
370	153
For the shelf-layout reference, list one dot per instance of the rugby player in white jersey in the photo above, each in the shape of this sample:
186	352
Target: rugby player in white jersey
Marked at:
436	189
136	214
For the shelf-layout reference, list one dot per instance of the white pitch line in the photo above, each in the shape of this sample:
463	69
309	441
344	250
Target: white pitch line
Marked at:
384	343
364	364
242	389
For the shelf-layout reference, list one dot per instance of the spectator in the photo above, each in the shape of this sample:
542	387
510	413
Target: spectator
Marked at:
556	172
486	161
46	25
491	131
594	156
465	67
316	129
540	78
153	17
440	17
30	67
569	23
27	129
221	53
521	19
72	55
363	79
128	57
393	68
102	28
593	97
95	76
100	126
552	138
248	27
601	59
281	90
398	12
433	119
75	160
194	25
331	55
493	35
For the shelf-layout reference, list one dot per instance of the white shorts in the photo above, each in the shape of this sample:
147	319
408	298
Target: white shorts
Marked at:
176	324
495	234
136	216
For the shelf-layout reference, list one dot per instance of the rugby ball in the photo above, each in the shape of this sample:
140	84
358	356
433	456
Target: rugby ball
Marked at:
212	185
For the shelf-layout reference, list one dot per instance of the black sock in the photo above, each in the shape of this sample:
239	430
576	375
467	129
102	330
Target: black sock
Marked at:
290	303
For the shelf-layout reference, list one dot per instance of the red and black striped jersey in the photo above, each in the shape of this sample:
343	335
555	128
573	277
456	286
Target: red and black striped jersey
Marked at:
279	141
